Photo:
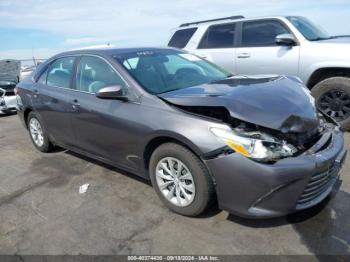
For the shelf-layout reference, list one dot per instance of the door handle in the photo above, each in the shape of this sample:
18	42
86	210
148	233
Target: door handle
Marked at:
35	93
243	55
75	105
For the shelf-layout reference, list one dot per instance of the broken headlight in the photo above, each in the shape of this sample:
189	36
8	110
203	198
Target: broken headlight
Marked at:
255	145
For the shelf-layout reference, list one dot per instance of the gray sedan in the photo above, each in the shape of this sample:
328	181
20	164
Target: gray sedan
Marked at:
257	146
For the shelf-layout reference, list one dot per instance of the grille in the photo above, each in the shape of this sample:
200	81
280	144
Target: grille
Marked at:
317	185
9	89
10	93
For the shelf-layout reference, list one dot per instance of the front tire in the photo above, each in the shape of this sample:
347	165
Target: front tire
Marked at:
332	96
181	180
38	133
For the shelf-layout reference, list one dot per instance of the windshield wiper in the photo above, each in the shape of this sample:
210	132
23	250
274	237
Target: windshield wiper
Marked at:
173	89
321	38
218	80
210	82
338	36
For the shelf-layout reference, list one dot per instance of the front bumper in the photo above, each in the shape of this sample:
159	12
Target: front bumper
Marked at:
252	189
7	103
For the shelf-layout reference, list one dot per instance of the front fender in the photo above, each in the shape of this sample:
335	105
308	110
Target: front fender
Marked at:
169	135
310	70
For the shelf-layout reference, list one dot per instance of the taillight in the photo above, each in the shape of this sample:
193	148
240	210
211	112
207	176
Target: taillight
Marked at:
16	90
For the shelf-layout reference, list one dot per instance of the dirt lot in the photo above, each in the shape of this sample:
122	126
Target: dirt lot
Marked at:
41	212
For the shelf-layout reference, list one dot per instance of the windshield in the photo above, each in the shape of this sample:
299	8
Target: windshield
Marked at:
309	30
7	83
161	71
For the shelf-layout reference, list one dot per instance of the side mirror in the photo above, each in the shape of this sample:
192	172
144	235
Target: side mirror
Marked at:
285	39
111	92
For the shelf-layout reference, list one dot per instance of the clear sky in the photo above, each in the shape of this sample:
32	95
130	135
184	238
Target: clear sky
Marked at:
45	27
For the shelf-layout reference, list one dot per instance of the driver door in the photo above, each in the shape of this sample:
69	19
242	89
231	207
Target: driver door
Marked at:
101	126
258	52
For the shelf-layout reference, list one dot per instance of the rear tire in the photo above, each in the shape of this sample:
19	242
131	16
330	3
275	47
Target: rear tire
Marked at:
38	134
332	96
192	190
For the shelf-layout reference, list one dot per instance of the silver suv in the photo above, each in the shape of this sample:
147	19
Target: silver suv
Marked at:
285	45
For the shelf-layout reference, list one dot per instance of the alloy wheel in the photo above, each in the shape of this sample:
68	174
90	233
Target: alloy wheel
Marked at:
36	132
175	181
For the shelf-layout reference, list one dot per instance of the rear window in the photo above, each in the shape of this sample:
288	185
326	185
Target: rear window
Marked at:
219	36
181	37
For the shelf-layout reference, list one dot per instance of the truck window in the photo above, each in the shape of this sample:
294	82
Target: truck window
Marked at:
181	37
261	33
219	36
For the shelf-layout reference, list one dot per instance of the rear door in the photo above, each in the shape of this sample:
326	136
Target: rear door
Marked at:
51	98
217	45
258	52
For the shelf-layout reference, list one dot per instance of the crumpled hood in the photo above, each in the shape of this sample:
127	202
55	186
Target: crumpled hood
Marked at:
276	102
10	71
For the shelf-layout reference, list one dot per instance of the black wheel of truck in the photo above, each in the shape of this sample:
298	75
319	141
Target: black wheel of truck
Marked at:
333	98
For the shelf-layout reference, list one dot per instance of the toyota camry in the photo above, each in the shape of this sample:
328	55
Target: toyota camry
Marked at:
255	144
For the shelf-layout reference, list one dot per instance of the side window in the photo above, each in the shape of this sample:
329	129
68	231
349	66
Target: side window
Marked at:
181	37
94	73
60	72
261	33
42	78
131	63
219	36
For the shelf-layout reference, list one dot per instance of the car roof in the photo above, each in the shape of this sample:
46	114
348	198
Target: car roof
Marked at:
113	51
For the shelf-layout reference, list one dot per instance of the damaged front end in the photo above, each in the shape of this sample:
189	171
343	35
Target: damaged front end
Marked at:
266	145
9	77
276	149
260	143
256	145
7	100
266	120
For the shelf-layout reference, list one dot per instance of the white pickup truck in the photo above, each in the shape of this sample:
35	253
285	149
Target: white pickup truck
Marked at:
284	45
